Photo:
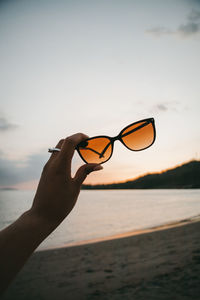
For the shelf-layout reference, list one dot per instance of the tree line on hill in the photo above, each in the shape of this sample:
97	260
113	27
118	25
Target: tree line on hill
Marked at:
181	177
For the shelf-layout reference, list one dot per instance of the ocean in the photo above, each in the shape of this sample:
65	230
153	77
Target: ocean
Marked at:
101	213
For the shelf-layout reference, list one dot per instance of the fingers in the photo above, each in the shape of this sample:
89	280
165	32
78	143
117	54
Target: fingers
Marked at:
68	147
83	171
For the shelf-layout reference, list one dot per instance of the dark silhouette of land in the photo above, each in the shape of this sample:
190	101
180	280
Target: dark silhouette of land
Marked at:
8	189
186	176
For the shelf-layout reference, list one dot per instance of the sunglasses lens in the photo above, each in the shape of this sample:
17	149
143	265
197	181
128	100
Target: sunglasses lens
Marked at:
96	150
138	136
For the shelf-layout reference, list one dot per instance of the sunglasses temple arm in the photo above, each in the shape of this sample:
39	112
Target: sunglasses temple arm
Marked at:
100	154
93	151
104	150
135	129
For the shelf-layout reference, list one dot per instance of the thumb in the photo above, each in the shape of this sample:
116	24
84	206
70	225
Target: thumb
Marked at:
84	170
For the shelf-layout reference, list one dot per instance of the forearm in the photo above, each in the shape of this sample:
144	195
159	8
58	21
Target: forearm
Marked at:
17	243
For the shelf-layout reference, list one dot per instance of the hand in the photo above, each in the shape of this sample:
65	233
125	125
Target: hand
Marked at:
57	191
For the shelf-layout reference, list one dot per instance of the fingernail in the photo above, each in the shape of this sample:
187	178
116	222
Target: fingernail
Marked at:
97	168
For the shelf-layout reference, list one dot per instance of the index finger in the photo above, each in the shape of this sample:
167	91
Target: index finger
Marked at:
69	146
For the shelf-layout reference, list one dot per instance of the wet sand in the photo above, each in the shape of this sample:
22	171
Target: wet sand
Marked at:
159	263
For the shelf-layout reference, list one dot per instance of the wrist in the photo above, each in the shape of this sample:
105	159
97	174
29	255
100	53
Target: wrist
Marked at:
39	222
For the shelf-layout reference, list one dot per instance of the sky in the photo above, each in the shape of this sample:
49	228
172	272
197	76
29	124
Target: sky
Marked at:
94	67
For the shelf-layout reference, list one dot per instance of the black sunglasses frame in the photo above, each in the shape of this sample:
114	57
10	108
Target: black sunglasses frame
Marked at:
119	138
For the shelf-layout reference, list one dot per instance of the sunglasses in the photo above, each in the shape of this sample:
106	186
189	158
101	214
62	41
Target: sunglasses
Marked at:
136	137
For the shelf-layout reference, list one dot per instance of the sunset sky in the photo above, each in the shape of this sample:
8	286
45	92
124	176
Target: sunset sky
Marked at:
94	67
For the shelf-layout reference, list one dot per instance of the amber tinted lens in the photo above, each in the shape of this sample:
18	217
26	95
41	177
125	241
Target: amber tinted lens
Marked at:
138	136
96	150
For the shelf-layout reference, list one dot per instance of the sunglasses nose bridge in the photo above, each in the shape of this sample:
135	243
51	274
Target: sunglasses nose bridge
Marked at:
115	138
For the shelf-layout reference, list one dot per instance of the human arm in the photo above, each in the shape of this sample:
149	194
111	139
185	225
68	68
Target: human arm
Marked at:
55	197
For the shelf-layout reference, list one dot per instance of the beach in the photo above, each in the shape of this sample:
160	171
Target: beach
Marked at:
158	263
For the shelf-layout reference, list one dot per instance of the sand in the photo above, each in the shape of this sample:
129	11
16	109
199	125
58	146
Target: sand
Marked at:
161	263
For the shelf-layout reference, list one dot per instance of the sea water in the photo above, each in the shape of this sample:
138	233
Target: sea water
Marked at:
101	213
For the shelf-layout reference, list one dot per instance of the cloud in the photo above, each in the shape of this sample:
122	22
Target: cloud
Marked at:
161	107
12	172
6	125
192	2
164	107
194	16
159	31
190	28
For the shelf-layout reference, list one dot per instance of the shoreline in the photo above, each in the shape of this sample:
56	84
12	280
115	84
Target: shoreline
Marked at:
161	264
127	234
